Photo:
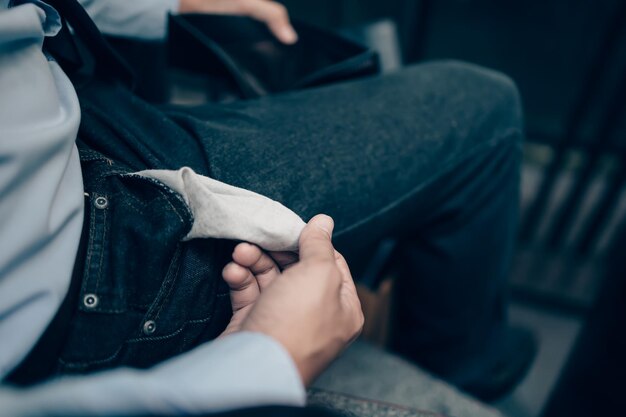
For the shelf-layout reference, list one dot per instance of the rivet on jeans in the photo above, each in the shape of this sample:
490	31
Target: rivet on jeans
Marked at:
149	327
90	300
101	202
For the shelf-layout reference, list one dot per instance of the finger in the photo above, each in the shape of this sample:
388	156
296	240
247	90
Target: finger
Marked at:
244	289
258	262
285	259
315	239
346	275
275	16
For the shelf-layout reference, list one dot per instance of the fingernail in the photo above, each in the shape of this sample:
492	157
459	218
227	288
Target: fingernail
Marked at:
288	35
325	223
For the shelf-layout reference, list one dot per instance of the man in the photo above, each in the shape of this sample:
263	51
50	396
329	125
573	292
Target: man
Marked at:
430	156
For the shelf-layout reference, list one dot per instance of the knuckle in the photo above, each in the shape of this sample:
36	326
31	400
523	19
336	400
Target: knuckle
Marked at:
361	320
357	332
355	328
357	315
316	235
307	239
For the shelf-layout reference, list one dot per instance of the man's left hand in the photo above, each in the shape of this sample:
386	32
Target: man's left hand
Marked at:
272	13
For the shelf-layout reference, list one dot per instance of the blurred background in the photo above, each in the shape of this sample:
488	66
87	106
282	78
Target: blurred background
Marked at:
568	59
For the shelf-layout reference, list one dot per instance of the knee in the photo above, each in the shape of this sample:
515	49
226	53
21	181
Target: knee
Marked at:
486	103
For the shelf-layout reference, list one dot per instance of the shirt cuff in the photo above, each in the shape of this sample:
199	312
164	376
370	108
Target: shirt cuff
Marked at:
247	369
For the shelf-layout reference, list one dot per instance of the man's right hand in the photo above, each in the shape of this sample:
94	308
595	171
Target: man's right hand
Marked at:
311	307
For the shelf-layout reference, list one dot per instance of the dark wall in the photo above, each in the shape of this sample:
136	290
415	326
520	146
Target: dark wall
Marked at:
547	46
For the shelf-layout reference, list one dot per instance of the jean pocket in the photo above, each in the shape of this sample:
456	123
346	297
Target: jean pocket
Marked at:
132	255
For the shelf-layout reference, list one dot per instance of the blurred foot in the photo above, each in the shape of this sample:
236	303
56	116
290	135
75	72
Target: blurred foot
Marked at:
508	368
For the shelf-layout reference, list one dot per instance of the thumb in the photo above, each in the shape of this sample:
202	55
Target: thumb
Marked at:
315	239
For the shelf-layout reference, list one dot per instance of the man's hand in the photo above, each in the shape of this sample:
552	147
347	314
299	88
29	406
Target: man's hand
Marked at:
273	14
311	307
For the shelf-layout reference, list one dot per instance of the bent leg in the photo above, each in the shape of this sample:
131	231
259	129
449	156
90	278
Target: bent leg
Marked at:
429	155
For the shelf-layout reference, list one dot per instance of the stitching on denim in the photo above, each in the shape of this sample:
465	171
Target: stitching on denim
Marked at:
471	153
87	270
104	235
172	206
137	306
165	191
87	155
166	287
79	365
76	365
169	336
114	172
110	311
133	206
133	196
173	284
138	204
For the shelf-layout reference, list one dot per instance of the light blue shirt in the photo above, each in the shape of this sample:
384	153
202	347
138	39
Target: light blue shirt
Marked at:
143	19
41	206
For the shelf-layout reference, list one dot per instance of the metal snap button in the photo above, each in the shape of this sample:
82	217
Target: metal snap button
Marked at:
91	300
149	327
101	202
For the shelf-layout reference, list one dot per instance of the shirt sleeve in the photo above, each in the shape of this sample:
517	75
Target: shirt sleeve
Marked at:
41	189
143	19
240	370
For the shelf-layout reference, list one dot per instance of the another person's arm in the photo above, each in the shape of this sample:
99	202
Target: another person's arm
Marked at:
147	19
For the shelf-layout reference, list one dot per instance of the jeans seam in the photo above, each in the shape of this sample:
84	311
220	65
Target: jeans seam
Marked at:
170	335
133	206
166	192
104	235
92	222
166	288
170	289
77	365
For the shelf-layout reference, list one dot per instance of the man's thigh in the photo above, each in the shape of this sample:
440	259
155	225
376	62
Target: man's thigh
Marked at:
355	150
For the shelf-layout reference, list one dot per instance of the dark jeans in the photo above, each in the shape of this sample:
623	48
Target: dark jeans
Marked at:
429	155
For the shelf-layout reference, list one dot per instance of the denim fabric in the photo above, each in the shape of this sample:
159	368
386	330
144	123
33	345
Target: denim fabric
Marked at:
138	275
429	155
